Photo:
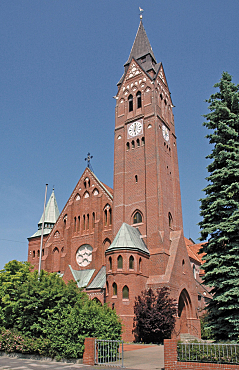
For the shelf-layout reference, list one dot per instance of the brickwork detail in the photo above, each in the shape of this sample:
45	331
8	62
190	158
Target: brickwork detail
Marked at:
89	351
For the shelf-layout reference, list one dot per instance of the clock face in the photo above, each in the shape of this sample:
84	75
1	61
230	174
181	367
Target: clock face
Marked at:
165	133
135	129
84	255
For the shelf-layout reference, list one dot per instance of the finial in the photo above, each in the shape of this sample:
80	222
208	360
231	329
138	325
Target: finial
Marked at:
88	158
141	11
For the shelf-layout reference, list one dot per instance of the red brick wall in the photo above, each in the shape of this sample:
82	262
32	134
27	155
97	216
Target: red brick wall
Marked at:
89	351
171	363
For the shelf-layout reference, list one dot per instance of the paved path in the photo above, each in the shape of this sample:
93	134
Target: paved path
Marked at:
136	357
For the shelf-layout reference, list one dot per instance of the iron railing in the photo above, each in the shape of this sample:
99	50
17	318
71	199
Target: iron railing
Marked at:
109	352
208	352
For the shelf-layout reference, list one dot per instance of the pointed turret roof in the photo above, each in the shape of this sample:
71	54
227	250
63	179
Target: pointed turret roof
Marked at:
52	212
141	46
128	237
51	215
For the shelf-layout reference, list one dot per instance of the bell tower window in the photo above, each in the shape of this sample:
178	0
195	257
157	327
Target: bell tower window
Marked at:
130	99
138	96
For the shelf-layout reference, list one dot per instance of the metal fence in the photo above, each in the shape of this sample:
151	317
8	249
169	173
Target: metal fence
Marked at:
109	352
208	352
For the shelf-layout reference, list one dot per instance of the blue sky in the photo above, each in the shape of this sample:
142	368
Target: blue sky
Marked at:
60	62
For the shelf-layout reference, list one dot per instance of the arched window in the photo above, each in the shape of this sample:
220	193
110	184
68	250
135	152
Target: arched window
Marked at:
105	217
170	220
194	271
34	253
133	144
93	220
78	225
125	292
120	262
131	262
38	253
140	264
115	289
110	263
83	222
88	221
138	142
110	216
138	96
143	142
136	178
130	99
137	218
107	288
74	224
42	252
127	146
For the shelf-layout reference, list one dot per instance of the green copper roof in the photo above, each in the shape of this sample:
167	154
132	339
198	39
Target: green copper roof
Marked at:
82	277
51	215
52	212
128	237
100	279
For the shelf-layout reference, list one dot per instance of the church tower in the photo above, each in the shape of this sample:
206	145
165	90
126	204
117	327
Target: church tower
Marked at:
146	177
147	194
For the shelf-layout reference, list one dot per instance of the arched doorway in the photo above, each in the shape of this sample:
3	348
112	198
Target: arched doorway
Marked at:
184	310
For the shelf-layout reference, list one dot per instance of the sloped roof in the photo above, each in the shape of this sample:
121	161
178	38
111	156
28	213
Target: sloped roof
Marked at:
193	250
141	45
100	280
52	212
82	277
128	237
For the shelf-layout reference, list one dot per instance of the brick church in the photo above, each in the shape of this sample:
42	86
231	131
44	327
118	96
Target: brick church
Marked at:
116	242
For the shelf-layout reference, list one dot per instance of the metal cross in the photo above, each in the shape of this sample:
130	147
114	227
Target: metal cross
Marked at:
88	158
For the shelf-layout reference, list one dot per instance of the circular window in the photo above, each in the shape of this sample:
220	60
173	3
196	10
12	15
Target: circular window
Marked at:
84	255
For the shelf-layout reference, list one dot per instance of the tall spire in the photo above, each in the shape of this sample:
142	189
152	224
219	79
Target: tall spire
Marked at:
141	46
51	215
143	53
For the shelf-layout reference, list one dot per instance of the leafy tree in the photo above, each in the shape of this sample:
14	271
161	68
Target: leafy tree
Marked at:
220	211
155	314
60	315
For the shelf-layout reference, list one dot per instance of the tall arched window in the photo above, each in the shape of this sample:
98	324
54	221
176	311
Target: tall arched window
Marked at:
138	96
131	262
88	221
78	225
34	254
115	289
110	216
125	292
110	263
170	220
105	217
137	218
83	222
140	264
74	224
120	262
93	220
130	99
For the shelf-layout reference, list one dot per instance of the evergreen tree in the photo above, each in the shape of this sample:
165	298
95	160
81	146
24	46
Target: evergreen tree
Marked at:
220	211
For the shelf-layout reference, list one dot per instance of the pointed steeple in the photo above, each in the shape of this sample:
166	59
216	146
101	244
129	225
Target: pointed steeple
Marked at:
141	46
143	53
51	215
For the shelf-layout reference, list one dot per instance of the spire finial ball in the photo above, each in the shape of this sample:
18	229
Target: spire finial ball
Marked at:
141	17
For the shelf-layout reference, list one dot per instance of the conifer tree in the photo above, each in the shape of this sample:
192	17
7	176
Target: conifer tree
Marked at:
220	211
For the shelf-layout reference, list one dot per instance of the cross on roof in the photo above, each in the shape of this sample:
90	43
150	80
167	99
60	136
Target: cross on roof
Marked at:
88	158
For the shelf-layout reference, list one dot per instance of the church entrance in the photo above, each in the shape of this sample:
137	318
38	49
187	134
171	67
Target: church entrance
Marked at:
184	310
